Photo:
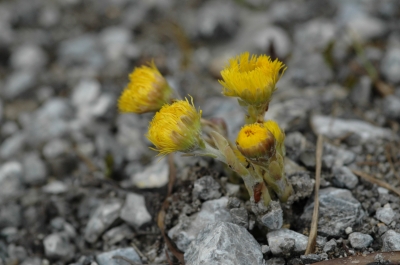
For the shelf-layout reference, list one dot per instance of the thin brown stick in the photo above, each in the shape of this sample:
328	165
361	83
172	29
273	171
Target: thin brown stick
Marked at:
312	239
376	181
388	154
161	215
388	258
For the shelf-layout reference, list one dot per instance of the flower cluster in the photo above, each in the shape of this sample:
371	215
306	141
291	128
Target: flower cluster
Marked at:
258	152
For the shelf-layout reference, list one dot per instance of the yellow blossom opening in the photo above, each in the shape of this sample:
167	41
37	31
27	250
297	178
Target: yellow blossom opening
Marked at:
254	141
147	91
252	79
176	127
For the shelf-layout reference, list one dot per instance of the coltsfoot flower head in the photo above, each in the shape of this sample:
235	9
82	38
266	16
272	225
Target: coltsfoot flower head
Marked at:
279	135
252	79
255	141
147	91
176	127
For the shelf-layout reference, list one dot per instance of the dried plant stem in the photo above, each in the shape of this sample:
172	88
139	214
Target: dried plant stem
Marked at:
376	181
314	223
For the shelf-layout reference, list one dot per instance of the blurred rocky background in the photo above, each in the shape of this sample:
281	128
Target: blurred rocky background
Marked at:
79	185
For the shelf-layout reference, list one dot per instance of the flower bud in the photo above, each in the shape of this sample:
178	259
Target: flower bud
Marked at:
176	127
279	135
147	91
255	141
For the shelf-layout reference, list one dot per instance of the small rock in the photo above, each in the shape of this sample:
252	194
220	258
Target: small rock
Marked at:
263	39
109	258
28	57
330	246
361	93
336	128
385	214
104	216
85	92
154	176
188	227
281	238
338	209
391	241
343	177
34	169
32	261
224	243
16	252
367	27
18	83
55	148
116	234
206	188
10	215
13	145
315	35
265	249
360	240
233	202
308	158
391	106
232	189
55	187
274	218
349	230
390	65
10	179
240	217
310	258
275	261
57	246
134	211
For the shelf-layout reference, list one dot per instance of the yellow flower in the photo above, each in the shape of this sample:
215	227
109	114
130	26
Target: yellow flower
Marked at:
279	135
255	141
252	79
176	127
147	91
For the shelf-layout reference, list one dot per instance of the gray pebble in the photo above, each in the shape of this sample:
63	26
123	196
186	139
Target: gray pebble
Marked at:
134	211
206	188
240	217
343	177
118	256
18	83
385	214
35	170
391	241
57	246
28	57
274	218
390	65
101	219
286	240
275	261
360	240
224	243
330	246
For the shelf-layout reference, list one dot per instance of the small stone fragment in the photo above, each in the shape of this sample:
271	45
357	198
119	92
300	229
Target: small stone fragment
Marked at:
385	214
134	211
116	234
360	240
101	219
348	230
154	176
57	246
265	249
330	246
117	256
274	218
224	243
391	241
344	178
283	238
310	258
206	188
275	261
240	217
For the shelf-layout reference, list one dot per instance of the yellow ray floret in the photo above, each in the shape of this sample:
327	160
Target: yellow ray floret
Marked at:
176	127
252	79
147	91
254	141
279	135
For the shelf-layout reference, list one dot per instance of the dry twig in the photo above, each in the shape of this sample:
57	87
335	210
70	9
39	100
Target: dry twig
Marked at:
314	223
376	181
161	215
